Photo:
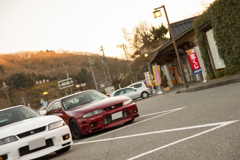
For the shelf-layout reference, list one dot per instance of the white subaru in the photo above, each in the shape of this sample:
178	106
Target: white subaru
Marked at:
24	134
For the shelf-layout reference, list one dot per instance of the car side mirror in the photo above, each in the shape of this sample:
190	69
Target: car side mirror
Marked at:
58	111
108	95
135	89
43	112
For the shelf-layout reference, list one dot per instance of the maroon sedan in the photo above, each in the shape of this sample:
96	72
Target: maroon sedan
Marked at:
90	111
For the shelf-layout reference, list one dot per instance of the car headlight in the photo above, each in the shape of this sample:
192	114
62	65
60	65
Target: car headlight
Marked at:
127	102
8	140
56	125
93	113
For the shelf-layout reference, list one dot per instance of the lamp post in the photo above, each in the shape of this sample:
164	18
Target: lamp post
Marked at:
157	13
45	93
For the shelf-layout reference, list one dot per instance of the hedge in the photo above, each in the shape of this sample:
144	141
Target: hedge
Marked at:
224	16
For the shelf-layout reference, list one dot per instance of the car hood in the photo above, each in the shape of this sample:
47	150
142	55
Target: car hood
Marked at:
100	104
27	125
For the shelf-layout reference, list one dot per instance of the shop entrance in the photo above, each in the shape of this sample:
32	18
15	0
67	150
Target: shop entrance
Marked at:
174	75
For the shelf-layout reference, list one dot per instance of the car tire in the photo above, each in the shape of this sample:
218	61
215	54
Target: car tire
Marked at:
145	95
63	150
128	122
76	132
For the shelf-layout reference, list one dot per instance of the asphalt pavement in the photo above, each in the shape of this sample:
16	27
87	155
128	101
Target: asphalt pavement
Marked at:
192	125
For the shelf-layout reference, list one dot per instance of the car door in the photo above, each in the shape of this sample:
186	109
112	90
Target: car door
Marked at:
132	93
120	93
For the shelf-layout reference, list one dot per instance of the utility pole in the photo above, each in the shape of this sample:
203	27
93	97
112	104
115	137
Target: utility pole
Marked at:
66	68
104	60
92	63
105	78
5	88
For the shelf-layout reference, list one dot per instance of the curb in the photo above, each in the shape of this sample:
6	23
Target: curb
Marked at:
207	86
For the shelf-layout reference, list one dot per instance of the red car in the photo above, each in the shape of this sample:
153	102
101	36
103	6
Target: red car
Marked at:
90	111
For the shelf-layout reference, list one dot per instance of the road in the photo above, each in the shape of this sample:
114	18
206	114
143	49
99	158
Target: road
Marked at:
197	125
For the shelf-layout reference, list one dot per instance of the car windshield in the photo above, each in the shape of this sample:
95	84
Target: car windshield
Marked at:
81	99
16	114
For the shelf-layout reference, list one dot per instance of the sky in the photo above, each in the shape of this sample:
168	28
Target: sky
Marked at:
81	25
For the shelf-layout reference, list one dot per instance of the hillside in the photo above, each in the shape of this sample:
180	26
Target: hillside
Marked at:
20	71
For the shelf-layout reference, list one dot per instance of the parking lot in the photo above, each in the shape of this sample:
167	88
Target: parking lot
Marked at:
197	125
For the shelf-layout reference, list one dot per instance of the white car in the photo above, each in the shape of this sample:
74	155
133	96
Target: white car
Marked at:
24	134
132	93
140	85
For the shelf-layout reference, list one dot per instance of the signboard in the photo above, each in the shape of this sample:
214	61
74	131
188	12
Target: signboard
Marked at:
155	76
66	83
83	84
218	61
194	61
148	78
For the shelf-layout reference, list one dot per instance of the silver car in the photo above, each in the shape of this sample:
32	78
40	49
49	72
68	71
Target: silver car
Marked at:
140	85
132	92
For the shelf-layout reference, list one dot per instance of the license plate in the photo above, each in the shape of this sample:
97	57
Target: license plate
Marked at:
117	115
37	143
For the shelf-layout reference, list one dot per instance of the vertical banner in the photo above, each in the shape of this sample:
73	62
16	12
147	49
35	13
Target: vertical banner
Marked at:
194	61
156	72
148	78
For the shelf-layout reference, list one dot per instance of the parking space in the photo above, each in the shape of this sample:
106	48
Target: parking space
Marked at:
169	130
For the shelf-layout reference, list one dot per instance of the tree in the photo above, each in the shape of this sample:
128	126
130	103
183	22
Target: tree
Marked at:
84	76
145	38
22	80
2	68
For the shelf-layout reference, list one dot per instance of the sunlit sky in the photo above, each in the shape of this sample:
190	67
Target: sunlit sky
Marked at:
81	25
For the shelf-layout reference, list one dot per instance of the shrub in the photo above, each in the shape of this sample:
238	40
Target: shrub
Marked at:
223	15
220	73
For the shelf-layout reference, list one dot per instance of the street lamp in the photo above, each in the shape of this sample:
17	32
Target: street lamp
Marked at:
79	86
45	93
157	13
145	55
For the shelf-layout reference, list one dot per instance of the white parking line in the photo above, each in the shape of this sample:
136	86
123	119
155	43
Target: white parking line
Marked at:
184	139
162	131
169	111
157	113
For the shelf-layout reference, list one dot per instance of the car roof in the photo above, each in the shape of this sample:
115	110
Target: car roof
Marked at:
11	107
70	95
123	88
73	94
136	83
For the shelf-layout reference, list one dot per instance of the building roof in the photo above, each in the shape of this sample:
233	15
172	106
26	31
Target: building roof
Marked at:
179	29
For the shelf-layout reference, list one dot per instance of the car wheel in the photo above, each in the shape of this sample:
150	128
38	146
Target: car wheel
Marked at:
129	121
76	132
63	150
144	95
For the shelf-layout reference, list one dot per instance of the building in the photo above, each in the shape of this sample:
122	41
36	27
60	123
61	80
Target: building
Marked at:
166	57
